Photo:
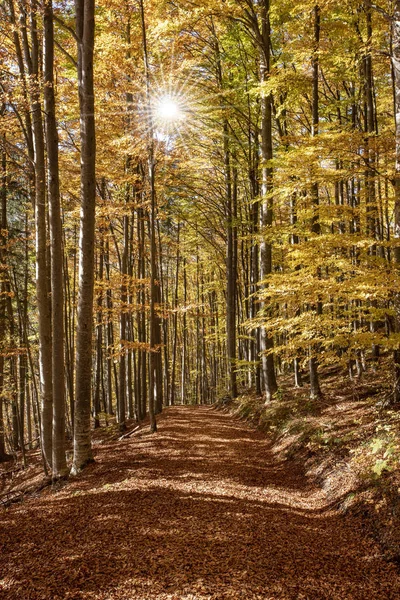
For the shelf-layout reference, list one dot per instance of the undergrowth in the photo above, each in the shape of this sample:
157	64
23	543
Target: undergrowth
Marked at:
346	440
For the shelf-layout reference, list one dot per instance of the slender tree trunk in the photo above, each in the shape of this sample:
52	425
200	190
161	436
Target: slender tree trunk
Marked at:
131	357
28	414
159	391
110	335
23	358
315	390
164	366
231	234
175	330
205	383
32	57
153	248
123	329
184	338
3	455
22	307
69	320
16	425
396	251
254	277
141	322
99	338
294	239
231	260
266	215
198	346
57	297
153	275
85	36
231	267
3	261
373	221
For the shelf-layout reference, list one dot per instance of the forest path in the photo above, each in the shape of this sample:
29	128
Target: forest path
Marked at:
200	510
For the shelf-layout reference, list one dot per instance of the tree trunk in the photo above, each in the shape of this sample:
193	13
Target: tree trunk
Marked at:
315	390
231	284
231	236
99	338
153	249
396	252
175	329
3	261
85	36
141	322
42	288
184	338
123	329
267	344
59	465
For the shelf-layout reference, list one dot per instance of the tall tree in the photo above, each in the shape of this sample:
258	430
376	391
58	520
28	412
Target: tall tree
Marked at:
315	390
32	57
59	466
3	247
396	76
85	21
154	321
266	214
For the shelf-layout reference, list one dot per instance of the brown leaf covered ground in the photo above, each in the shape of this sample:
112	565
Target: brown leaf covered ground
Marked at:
202	510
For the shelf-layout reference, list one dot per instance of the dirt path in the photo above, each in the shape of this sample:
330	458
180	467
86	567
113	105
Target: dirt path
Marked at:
199	511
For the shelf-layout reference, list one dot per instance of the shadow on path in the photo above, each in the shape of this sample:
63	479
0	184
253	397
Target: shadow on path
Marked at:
198	511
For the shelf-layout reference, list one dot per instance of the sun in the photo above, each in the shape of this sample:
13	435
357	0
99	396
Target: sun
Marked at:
168	109
169	112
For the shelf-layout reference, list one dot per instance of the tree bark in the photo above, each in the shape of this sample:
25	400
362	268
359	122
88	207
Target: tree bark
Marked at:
315	390
231	236
3	250
153	249
59	466
175	328
231	284
99	338
266	215
123	329
83	454
396	253
141	322
42	285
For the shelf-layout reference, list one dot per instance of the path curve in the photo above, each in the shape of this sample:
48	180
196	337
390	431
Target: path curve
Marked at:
199	511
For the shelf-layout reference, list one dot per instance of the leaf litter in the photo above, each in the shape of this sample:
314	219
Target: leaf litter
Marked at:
202	510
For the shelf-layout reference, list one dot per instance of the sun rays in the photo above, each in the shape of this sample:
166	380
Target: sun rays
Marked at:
180	112
168	110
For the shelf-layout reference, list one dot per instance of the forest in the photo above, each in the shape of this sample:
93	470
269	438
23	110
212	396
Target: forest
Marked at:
200	223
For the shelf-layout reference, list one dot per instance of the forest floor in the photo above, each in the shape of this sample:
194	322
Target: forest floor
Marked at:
347	442
204	509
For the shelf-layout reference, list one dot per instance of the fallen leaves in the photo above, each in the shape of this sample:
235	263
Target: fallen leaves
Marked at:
201	511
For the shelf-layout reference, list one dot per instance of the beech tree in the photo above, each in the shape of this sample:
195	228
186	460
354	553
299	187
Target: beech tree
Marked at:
396	78
85	15
59	464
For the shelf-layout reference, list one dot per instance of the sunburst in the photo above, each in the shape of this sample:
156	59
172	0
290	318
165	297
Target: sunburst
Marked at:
168	110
